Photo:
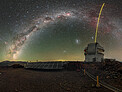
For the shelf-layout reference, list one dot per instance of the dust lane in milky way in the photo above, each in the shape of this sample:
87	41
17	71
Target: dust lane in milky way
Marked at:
60	32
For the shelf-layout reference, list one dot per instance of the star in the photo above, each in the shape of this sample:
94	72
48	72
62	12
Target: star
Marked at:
64	51
92	37
77	41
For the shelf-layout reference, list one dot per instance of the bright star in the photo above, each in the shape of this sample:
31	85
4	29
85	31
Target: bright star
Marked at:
77	41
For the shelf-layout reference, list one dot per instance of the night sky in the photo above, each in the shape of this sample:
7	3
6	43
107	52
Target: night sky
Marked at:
58	29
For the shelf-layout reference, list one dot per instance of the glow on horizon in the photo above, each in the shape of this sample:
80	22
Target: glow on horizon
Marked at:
43	60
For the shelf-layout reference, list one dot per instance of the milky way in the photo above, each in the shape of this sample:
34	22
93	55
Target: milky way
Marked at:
86	15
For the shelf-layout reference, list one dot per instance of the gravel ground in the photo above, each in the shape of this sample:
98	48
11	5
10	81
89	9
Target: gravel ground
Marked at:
108	72
22	80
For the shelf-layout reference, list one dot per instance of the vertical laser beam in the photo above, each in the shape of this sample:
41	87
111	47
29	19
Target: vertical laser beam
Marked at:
98	22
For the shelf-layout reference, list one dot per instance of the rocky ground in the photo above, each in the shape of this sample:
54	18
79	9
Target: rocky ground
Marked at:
108	71
22	80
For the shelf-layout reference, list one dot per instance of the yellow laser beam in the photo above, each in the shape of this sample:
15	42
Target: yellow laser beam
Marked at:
98	22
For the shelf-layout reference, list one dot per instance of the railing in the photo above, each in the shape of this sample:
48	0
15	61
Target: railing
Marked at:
103	83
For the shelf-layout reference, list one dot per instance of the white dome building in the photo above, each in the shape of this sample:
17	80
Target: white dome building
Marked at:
94	53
